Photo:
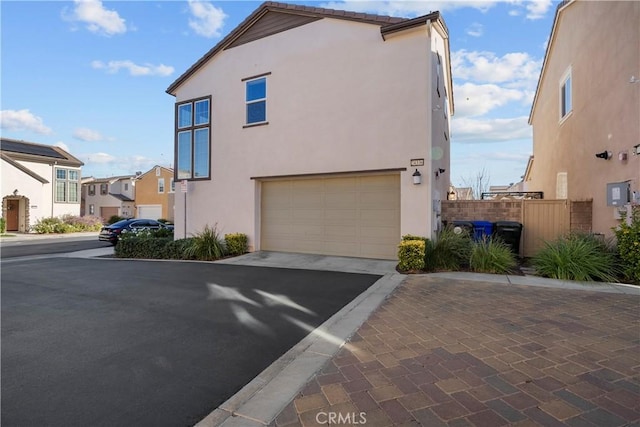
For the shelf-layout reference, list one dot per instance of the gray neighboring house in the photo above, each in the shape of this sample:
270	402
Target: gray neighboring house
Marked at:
105	197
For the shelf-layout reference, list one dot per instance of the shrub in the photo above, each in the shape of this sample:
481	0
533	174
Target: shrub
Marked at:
628	246
492	255
83	223
411	255
237	243
3	225
449	251
113	219
142	247
577	257
206	245
46	225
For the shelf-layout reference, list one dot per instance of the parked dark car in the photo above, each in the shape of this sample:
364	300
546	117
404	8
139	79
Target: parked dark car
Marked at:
111	233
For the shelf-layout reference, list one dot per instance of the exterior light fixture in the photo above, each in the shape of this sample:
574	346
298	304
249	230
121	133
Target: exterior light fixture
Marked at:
417	177
15	192
451	195
440	171
604	155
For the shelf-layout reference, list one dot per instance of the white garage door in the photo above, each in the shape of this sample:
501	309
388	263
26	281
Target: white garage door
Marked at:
150	211
345	216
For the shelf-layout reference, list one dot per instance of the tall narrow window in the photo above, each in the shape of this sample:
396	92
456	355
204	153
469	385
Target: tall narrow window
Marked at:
256	99
160	185
565	95
67	185
193	139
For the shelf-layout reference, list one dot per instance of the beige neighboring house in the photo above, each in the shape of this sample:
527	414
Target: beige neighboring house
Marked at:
587	103
105	197
155	194
38	181
306	128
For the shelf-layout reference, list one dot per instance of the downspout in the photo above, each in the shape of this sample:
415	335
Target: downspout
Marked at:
53	185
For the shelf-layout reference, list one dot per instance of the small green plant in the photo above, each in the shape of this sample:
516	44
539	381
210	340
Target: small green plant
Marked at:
577	257
237	243
206	245
628	246
113	219
491	255
411	255
3	225
449	251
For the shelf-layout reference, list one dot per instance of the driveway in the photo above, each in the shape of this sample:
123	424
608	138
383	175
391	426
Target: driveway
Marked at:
120	343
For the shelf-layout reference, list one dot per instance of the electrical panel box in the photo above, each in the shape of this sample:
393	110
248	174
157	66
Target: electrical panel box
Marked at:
618	193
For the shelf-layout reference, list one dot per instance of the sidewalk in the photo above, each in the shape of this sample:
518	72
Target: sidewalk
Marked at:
34	237
449	352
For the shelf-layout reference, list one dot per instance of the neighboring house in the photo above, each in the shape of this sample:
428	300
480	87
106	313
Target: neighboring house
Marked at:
105	197
460	193
38	181
586	111
155	193
304	128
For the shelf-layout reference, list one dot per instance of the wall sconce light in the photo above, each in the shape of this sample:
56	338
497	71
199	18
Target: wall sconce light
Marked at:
15	192
451	195
636	150
604	155
440	171
417	177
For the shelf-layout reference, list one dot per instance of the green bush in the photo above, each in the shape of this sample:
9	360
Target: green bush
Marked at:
449	251
143	247
206	245
492	255
46	225
237	243
3	225
628	246
411	255
113	219
577	257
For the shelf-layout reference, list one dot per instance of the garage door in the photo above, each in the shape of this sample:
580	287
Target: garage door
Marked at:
149	211
345	216
108	212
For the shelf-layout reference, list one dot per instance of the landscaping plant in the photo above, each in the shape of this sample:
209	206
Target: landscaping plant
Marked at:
628	247
411	255
3	225
492	255
236	243
579	257
206	245
449	251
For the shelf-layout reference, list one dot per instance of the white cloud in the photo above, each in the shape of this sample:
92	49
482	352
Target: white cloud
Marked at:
516	67
134	69
475	30
97	19
85	134
537	9
476	100
207	20
468	130
23	120
62	145
97	158
409	8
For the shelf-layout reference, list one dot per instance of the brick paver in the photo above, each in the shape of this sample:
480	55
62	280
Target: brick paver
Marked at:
455	353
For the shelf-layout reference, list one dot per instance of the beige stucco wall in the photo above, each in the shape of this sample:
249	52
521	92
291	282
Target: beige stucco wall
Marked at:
147	191
339	99
600	42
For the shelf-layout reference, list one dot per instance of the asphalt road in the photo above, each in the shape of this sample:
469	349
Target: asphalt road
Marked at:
10	249
105	342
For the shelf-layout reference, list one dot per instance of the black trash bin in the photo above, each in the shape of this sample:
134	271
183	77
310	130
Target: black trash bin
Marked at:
463	226
509	232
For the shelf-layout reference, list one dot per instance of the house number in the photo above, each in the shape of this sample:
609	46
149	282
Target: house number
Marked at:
417	162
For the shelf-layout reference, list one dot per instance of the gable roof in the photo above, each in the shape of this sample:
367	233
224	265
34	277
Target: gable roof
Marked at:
561	6
39	153
273	17
153	169
22	168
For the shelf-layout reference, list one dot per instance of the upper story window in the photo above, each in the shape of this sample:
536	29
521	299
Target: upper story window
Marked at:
67	185
157	171
172	185
565	95
126	186
160	185
256	99
92	190
104	189
193	141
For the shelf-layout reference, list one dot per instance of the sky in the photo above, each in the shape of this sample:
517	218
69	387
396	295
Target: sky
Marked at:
90	76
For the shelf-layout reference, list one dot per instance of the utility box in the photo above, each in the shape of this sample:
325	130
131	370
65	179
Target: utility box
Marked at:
618	193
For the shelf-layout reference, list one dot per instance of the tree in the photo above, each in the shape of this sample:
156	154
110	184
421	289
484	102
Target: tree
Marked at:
479	183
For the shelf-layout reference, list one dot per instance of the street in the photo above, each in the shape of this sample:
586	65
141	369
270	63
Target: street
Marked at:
20	248
125	342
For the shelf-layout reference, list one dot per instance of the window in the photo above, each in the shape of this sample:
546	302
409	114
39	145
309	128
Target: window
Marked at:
561	185
565	95
92	209
67	185
126	186
92	190
193	142
157	171
160	185
256	99
104	189
172	185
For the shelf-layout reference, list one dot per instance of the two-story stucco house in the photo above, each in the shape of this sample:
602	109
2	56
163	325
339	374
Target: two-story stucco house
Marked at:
317	131
155	193
105	197
586	111
38	181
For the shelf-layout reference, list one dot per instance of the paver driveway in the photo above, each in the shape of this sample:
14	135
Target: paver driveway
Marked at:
141	343
443	352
